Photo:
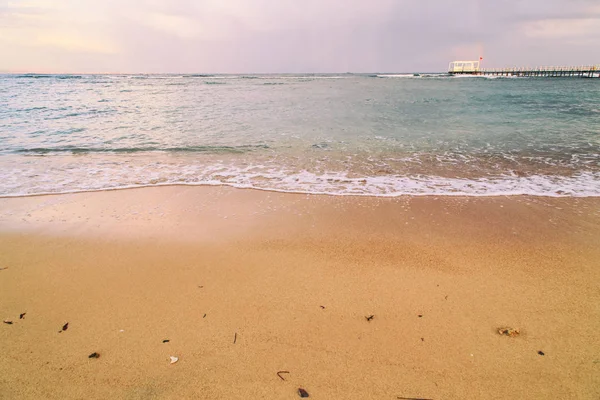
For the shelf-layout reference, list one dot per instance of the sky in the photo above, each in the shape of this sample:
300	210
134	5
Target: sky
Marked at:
232	36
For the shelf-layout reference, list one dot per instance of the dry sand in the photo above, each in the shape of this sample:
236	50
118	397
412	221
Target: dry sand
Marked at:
291	279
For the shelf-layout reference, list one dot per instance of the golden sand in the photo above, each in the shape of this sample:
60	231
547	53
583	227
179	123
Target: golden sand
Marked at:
245	284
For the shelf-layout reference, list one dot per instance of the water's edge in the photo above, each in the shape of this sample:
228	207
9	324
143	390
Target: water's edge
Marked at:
299	192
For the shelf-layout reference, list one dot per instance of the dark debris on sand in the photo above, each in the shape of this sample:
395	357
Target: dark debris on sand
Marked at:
412	398
282	372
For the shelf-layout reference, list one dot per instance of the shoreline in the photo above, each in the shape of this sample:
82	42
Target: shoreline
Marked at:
58	212
299	192
246	283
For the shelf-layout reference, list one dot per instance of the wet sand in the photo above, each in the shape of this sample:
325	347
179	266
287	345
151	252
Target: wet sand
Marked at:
291	279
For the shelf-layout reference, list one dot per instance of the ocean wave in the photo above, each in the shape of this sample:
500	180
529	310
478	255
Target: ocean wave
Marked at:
38	76
189	149
33	76
307	77
397	76
539	185
81	175
30	109
443	76
428	76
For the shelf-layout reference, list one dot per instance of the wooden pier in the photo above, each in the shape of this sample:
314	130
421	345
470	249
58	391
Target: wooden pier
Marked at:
472	68
585	71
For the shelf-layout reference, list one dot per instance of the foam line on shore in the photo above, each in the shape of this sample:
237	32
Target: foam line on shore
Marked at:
306	192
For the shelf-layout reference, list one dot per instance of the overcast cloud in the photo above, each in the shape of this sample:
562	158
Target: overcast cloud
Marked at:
232	36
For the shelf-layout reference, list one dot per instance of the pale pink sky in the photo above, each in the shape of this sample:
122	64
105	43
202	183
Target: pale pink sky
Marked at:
292	35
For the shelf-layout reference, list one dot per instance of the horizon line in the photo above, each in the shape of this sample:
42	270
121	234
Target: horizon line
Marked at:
216	73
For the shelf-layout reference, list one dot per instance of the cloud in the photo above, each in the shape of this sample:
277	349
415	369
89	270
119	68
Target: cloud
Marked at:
563	28
54	24
73	43
172	24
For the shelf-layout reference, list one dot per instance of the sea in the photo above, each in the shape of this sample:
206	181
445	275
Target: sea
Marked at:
335	134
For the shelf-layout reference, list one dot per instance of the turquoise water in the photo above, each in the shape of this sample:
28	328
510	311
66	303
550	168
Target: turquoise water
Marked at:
383	135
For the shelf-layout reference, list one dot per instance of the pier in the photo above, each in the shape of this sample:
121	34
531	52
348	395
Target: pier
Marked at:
473	68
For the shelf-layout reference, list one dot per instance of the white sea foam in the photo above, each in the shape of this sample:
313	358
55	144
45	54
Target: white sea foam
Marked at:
397	76
443	76
22	182
302	77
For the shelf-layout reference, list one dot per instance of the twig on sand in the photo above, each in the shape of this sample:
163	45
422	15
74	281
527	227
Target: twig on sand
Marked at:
235	338
282	372
412	398
369	318
2	269
22	316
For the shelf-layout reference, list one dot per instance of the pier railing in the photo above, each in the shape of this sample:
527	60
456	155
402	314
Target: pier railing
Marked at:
587	71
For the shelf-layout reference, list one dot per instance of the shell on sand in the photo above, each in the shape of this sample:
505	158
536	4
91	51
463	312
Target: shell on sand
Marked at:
174	359
512	332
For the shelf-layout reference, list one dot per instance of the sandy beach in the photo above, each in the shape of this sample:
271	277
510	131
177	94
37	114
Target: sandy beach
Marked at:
354	297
